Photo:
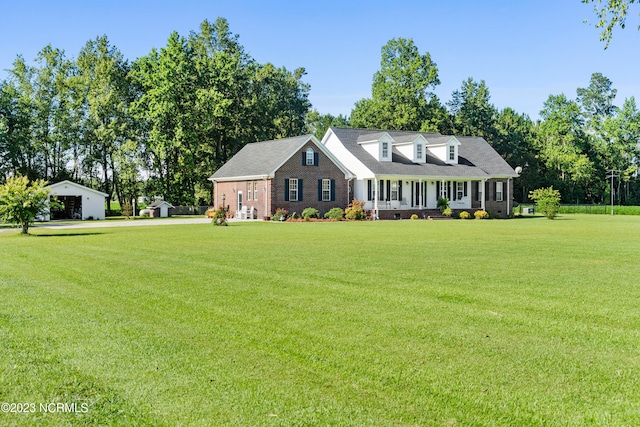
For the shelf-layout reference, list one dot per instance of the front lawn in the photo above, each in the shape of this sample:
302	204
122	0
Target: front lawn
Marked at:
500	322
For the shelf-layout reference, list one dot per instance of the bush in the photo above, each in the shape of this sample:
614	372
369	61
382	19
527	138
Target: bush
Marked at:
219	217
335	213
442	204
309	213
447	211
481	214
464	215
280	215
414	216
548	201
355	210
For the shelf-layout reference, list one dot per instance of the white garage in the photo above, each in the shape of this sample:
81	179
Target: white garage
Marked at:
79	202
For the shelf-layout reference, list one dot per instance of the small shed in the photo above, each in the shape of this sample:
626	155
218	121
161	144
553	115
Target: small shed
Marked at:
79	202
160	209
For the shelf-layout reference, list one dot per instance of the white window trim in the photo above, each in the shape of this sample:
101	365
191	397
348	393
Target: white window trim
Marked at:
394	190
419	151
255	191
326	190
385	150
499	191
309	159
460	190
452	153
293	189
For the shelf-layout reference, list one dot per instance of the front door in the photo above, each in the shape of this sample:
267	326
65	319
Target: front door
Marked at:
239	201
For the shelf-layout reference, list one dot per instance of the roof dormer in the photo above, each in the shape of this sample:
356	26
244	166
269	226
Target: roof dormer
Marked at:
413	147
444	148
379	146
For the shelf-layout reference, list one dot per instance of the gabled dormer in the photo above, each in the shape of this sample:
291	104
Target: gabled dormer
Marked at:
379	145
444	148
413	147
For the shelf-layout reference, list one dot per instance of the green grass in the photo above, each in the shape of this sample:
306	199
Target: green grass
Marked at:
524	322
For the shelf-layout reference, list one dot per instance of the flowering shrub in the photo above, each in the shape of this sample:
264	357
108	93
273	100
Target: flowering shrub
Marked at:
414	216
335	213
219	216
481	214
447	211
280	215
355	210
464	215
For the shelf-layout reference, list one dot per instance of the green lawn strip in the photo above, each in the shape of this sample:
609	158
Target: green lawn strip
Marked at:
523	322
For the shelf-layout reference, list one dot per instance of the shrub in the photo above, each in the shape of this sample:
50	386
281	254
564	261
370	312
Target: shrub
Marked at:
414	216
548	201
355	210
442	204
464	215
481	214
280	215
309	213
335	213
219	216
447	211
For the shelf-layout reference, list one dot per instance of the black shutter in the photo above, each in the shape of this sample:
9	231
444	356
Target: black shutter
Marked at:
381	190
300	190
465	188
333	190
316	159
369	184
319	190
438	189
495	190
455	190
400	190
449	190
388	190
286	190
304	159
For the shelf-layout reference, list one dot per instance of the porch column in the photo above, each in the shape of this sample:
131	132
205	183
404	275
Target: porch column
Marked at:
484	195
508	199
420	201
375	196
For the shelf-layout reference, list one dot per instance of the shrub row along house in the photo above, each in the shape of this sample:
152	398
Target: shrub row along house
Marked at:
396	173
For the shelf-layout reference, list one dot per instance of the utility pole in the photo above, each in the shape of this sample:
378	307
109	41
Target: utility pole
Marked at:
612	173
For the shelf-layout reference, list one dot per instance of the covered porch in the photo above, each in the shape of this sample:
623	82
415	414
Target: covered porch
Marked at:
420	195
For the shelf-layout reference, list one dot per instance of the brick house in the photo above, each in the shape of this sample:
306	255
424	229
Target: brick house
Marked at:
291	173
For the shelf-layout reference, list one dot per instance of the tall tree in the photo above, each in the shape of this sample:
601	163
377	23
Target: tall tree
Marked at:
596	100
318	124
402	91
473	113
103	73
564	148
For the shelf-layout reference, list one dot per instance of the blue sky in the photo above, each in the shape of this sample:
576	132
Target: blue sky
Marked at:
524	50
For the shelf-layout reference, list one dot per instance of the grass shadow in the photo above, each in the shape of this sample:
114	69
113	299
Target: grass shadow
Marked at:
92	233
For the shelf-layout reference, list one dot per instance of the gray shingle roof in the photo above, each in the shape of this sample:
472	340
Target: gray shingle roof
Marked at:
260	158
476	158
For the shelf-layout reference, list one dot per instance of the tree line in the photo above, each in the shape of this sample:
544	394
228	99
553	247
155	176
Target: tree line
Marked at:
163	123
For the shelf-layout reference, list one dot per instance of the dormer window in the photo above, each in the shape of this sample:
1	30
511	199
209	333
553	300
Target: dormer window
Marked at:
452	152
309	157
385	150
419	151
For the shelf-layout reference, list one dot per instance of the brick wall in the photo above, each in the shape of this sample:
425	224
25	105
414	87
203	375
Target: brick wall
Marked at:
496	208
309	175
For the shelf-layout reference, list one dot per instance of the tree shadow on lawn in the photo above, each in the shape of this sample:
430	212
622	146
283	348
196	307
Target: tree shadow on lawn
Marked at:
92	233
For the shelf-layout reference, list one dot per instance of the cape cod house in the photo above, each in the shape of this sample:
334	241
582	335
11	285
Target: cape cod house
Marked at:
290	173
399	173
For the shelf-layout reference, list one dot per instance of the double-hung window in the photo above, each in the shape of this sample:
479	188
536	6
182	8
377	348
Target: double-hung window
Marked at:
499	193
255	190
419	151
459	190
293	189
249	188
385	150
452	152
309	158
394	190
326	190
